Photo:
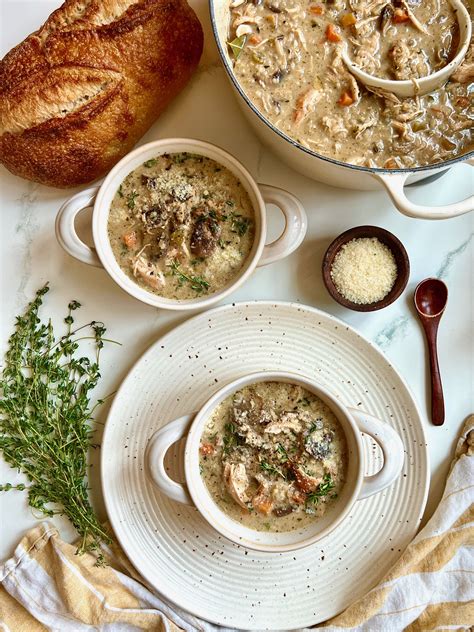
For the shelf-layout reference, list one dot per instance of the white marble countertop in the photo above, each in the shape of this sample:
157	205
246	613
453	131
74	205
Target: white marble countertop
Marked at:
30	256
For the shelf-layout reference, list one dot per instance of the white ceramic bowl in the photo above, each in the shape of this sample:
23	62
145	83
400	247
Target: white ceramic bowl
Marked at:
101	197
330	170
357	486
423	85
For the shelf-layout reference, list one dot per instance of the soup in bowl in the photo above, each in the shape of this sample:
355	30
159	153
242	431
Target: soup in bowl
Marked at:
180	224
273	461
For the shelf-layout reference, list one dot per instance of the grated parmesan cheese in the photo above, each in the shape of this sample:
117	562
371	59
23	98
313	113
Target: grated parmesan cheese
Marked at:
364	270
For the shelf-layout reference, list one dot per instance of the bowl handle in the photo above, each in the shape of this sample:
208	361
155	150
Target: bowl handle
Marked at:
296	224
157	448
66	231
395	183
392	448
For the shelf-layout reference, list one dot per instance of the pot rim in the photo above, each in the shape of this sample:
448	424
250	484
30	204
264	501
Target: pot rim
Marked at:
378	170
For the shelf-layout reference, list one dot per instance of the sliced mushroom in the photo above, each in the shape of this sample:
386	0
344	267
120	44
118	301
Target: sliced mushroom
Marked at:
205	235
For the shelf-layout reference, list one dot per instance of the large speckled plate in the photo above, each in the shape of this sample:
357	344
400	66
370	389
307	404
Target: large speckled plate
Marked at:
176	550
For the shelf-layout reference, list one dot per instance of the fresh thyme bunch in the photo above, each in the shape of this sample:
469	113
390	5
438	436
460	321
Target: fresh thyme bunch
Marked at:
45	417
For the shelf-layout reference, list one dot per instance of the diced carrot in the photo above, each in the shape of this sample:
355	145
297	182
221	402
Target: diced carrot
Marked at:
316	9
462	101
332	34
130	240
348	19
254	39
206	448
345	99
391	164
264	505
400	15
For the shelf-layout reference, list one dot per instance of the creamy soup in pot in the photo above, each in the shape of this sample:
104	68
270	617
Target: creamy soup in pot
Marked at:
273	456
287	58
181	226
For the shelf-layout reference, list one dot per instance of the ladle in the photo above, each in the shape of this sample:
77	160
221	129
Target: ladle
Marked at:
423	85
431	297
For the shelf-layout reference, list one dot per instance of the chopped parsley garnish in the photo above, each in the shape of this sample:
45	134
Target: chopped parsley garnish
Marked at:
304	402
131	200
120	191
323	489
150	163
197	283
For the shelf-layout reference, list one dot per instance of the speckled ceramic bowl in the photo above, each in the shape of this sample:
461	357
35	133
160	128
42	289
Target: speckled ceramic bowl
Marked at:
357	486
100	199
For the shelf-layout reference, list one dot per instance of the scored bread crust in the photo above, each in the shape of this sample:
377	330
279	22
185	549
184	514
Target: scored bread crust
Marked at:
76	95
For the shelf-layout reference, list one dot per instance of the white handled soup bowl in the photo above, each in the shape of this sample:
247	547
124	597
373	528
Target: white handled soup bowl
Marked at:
100	198
357	486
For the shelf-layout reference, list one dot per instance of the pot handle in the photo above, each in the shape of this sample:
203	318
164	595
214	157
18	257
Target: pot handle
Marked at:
395	183
66	231
296	224
392	448
157	448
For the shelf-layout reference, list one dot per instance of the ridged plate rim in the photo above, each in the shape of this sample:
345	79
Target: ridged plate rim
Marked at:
137	557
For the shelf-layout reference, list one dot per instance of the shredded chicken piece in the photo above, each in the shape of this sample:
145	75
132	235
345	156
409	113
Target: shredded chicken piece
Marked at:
151	275
465	72
287	422
236	481
304	104
407	63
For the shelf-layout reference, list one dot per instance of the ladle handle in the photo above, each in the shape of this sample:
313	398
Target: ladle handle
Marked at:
437	397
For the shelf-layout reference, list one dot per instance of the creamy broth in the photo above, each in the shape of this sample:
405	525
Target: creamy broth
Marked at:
181	226
273	457
287	58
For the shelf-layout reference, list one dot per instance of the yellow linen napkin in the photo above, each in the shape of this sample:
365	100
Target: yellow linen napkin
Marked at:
45	586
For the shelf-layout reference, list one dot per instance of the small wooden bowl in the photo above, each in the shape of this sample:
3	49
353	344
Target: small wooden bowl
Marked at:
387	238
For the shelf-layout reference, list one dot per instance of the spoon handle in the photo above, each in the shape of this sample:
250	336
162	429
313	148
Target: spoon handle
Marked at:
437	397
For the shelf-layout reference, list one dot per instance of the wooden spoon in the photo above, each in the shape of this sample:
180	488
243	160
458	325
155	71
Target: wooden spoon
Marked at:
431	297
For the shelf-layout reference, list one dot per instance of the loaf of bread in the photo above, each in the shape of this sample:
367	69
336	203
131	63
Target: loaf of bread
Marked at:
76	95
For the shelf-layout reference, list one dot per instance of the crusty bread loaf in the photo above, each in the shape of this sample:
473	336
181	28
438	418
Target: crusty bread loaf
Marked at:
77	94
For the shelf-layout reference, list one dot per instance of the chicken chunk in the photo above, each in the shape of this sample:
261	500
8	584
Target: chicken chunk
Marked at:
237	482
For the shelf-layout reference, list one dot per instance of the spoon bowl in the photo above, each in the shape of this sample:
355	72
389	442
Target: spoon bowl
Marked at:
422	85
431	297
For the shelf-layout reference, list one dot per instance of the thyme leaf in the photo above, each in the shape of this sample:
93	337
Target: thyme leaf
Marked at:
323	489
131	200
271	469
197	283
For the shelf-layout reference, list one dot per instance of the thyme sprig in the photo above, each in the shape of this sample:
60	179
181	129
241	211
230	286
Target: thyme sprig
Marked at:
271	469
197	283
323	489
46	414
